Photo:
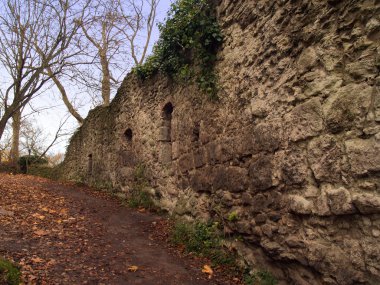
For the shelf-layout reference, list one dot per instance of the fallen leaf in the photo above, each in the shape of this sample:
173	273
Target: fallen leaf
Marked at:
41	233
207	269
51	262
63	211
37	260
38	216
133	268
32	277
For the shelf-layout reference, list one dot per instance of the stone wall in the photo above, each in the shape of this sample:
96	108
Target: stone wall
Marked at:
292	148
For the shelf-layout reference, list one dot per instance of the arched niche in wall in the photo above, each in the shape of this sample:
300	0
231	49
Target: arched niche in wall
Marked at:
165	135
89	164
196	132
128	135
167	121
127	152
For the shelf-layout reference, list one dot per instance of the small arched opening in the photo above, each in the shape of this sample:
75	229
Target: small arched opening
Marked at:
196	132
167	111
167	122
89	164
128	135
166	133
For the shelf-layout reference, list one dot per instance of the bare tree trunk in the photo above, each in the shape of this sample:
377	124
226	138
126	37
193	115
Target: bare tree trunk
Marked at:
16	126
3	124
106	81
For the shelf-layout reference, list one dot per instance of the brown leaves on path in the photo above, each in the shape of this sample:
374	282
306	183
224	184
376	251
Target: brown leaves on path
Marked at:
63	234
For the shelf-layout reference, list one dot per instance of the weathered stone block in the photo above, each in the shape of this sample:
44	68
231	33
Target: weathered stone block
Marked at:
367	203
376	112
199	157
127	173
363	155
348	107
295	242
323	85
176	149
339	200
164	134
185	163
307	59
299	205
200	181
233	179
363	68
183	182
212	153
260	172
259	203
165	152
294	167
244	142
305	120
127	158
204	134
321	205
226	150
227	199
243	227
261	219
267	137
246	198
325	155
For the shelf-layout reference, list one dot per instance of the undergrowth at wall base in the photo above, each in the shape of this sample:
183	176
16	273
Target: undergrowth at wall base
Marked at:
9	273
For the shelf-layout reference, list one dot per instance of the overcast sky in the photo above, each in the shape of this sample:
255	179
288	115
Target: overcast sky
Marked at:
53	109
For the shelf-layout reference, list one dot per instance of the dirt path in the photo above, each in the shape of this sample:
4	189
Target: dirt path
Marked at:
64	234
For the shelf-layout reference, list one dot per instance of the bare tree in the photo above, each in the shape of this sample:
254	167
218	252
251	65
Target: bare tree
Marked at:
113	34
119	32
34	139
34	36
137	24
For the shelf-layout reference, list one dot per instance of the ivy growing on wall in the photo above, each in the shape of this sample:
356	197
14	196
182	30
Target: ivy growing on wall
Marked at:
186	49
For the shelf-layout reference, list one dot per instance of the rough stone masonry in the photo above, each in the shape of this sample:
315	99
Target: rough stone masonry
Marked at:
292	148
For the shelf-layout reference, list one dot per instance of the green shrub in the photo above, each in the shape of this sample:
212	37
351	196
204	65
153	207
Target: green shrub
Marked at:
8	167
30	159
203	239
9	273
187	46
45	171
138	196
233	217
261	277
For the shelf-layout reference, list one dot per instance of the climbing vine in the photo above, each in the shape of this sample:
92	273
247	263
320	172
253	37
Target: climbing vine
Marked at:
186	49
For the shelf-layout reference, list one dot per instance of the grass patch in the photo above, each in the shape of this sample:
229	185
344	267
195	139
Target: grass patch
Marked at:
138	196
233	217
9	273
206	240
261	277
45	171
139	199
203	239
